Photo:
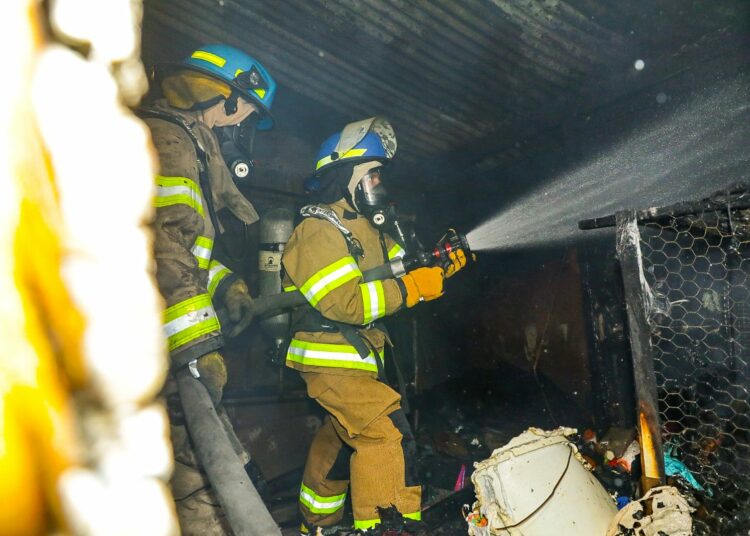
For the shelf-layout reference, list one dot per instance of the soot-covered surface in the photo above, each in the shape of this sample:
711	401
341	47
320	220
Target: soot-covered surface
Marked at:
463	420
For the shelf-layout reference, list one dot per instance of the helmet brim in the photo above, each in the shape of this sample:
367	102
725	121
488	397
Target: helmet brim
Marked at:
266	122
354	161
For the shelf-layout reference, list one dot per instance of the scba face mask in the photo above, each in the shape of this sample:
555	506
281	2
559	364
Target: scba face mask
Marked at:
371	198
236	143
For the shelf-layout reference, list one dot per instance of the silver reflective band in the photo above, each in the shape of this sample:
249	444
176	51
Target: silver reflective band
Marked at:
343	357
214	270
397	267
166	191
328	279
189	319
314	504
201	251
374	311
193	368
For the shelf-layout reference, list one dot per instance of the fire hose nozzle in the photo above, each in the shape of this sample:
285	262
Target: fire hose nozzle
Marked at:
439	255
451	241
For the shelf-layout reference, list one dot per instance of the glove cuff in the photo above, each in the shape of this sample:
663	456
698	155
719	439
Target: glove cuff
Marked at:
401	288
184	356
224	284
412	290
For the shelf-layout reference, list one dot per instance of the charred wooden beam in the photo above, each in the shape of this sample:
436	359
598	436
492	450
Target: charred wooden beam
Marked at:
637	300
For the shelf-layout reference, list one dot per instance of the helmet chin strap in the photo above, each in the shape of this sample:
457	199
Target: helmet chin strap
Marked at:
216	115
230	104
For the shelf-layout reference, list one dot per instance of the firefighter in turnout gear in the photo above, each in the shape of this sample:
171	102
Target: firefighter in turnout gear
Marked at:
365	442
217	87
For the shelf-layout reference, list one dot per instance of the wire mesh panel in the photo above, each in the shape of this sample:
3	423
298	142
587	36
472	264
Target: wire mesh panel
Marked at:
698	306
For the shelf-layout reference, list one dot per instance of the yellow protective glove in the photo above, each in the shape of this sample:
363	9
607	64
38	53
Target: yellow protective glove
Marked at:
213	374
423	284
239	305
457	261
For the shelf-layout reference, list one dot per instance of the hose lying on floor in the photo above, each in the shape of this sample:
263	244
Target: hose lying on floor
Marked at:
244	508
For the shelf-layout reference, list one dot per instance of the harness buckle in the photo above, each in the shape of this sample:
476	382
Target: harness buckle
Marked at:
193	368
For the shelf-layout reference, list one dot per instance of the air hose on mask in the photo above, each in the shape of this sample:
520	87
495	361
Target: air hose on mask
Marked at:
265	306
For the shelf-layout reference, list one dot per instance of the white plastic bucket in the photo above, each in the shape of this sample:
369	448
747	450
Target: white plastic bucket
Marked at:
515	487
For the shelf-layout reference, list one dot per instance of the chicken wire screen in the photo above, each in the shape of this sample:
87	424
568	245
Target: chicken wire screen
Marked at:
698	302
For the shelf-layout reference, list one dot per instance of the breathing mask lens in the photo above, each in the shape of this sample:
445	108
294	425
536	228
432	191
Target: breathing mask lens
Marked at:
371	190
372	198
236	142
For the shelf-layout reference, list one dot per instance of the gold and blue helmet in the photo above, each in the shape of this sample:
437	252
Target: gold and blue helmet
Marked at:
370	139
239	74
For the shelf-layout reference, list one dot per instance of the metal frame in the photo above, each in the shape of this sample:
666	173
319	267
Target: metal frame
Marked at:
637	297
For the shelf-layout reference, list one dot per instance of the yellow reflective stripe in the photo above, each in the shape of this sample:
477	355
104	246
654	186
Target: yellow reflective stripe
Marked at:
178	190
351	153
202	251
373	299
370	523
209	57
365	523
216	272
329	355
329	278
396	252
290	288
238	72
260	92
205	242
186	321
317	504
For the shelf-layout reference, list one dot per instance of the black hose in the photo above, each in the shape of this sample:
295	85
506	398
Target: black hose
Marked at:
379	273
244	508
273	304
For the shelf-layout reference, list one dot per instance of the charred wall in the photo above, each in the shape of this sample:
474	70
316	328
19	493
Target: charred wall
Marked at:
658	145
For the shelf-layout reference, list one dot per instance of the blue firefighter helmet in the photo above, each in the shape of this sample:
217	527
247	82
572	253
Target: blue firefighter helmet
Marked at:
241	72
370	139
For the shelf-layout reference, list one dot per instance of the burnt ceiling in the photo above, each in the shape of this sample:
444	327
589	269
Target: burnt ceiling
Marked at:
462	81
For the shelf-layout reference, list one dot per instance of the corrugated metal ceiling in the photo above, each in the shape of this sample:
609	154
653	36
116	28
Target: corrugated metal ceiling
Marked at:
448	73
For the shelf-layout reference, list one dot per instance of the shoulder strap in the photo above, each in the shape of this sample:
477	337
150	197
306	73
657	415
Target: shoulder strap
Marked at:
200	151
147	113
313	320
324	213
383	245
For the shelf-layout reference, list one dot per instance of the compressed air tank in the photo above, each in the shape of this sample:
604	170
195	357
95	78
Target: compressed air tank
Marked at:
276	227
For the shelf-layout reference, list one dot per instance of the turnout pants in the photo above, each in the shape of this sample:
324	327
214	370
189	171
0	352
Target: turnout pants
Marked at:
365	441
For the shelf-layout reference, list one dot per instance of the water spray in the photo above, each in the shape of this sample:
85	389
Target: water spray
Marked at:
695	149
737	193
